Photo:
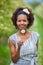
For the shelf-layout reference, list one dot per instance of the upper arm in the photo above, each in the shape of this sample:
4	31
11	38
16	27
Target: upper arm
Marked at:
12	47
37	44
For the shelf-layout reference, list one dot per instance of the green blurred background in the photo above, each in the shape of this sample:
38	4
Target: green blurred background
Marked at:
7	8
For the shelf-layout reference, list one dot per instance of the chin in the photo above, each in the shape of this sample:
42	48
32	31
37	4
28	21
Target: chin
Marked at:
21	28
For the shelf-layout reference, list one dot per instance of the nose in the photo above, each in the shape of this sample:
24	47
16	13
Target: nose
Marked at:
22	22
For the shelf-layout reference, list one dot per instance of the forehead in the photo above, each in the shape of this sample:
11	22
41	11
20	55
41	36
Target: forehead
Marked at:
22	16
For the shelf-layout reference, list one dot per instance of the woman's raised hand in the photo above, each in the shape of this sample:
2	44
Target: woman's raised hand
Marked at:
20	43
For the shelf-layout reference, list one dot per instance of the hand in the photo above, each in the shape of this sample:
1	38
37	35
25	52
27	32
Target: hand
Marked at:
20	43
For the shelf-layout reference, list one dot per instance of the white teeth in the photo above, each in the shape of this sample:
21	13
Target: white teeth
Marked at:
22	31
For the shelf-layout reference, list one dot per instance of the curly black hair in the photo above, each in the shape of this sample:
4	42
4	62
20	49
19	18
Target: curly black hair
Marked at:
30	17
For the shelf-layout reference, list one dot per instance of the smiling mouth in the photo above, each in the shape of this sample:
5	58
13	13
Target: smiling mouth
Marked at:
22	25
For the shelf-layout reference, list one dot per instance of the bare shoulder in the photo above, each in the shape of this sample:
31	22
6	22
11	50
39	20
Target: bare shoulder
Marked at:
11	40
11	44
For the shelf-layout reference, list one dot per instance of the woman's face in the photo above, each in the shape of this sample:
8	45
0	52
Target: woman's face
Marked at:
22	22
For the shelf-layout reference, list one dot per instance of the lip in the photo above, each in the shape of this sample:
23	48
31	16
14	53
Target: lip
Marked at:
22	26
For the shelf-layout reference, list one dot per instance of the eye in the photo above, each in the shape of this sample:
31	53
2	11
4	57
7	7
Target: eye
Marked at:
24	20
19	20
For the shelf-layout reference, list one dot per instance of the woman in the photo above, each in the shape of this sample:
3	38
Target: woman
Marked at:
23	44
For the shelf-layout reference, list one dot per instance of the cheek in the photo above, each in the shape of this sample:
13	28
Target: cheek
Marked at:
26	23
17	23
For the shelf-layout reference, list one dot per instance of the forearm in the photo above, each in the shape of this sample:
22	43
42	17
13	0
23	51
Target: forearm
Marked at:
16	55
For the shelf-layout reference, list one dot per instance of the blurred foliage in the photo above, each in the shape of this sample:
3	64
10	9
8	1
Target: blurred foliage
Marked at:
34	4
7	8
